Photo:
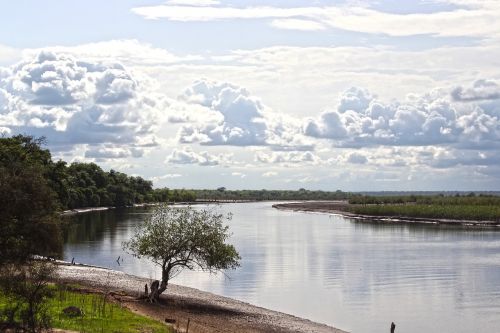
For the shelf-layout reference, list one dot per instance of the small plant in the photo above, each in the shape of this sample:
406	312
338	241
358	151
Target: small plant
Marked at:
27	290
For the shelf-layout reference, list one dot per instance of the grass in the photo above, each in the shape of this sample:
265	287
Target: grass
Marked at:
99	314
469	207
438	211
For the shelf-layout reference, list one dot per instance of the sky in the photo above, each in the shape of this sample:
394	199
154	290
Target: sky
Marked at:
277	94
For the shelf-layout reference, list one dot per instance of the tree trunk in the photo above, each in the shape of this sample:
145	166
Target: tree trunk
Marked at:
157	287
156	290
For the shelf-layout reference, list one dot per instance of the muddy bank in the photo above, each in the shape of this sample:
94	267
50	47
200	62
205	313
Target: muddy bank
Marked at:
341	208
207	312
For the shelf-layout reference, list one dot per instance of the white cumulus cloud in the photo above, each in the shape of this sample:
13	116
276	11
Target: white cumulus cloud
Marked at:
360	120
480	90
287	157
298	24
240	119
188	156
73	100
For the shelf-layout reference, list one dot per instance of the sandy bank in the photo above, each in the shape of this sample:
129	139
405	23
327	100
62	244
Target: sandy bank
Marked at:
207	312
339	207
96	209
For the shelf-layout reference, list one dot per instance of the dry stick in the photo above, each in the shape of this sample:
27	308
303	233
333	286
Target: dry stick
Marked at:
187	328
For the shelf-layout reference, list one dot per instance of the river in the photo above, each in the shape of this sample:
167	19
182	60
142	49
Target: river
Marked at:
357	276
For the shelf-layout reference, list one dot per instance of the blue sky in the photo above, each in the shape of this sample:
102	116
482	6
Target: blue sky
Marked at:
351	95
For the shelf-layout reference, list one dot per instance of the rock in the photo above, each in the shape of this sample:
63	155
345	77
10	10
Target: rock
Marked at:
73	311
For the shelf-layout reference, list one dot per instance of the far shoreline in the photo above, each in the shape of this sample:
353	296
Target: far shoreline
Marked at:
336	208
83	210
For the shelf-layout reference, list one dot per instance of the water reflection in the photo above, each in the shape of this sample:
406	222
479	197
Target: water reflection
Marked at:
357	276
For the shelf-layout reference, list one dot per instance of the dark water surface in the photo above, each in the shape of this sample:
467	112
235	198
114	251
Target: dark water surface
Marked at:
355	276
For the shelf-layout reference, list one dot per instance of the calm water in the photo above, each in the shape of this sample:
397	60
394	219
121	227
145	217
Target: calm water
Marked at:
355	276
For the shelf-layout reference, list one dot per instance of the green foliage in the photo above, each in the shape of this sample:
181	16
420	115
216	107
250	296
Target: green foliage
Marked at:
28	221
175	238
87	185
26	290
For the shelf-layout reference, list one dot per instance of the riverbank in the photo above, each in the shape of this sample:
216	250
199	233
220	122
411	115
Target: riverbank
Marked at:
205	311
96	209
103	208
342	208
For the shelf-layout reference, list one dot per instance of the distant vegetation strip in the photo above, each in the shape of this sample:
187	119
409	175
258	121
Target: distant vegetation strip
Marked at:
453	212
468	207
454	200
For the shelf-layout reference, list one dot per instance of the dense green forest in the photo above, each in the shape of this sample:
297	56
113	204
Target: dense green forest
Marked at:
79	185
29	223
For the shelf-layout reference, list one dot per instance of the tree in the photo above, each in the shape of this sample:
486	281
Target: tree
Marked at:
177	238
28	221
29	225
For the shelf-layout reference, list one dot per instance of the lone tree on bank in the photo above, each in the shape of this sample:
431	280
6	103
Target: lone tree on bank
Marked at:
177	238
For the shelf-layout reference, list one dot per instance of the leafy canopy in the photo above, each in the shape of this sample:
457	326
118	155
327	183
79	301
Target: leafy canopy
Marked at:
28	221
175	238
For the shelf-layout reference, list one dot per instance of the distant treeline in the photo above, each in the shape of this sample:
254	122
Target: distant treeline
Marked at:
87	185
78	185
260	195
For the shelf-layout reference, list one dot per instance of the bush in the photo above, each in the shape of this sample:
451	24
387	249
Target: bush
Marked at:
27	290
